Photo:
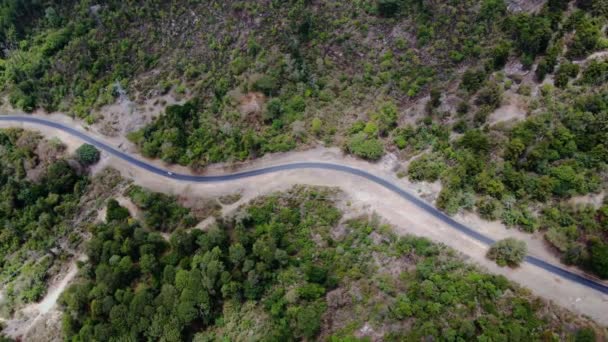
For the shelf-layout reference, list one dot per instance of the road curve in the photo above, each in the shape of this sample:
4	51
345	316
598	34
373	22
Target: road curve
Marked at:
423	205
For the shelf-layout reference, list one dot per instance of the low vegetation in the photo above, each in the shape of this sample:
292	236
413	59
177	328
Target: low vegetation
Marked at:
508	252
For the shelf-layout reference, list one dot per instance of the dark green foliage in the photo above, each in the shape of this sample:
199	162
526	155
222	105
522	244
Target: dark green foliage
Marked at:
585	335
595	7
188	280
586	39
475	140
267	84
490	96
16	18
530	32
279	263
413	140
435	98
473	79
161	212
547	64
596	73
116	212
185	136
508	252
87	154
389	8
60	178
500	55
564	73
427	167
34	216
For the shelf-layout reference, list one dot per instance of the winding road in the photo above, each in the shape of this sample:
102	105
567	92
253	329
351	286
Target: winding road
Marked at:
423	205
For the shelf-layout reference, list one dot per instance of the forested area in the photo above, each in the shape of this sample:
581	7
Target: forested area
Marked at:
284	268
39	195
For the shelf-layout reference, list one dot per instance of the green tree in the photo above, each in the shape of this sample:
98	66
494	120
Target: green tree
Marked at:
598	258
564	73
60	178
88	154
116	212
586	38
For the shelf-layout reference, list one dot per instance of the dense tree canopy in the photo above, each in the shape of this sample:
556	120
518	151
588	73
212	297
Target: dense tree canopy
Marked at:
33	213
278	270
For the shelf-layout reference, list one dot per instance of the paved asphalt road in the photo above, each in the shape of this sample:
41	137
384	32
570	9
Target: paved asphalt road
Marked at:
423	205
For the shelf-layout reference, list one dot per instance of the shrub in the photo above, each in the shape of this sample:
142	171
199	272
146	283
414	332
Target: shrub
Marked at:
564	73
87	154
596	73
472	80
585	40
115	212
267	84
585	335
490	95
532	33
316	126
388	8
500	55
598	257
508	252
274	110
364	147
428	167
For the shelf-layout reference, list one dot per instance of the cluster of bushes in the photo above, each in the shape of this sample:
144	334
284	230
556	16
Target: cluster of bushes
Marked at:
508	252
186	136
578	232
160	212
34	215
278	263
365	137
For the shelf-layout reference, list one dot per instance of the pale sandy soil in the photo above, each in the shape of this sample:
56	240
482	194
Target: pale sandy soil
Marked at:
595	200
370	197
593	56
125	116
513	109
